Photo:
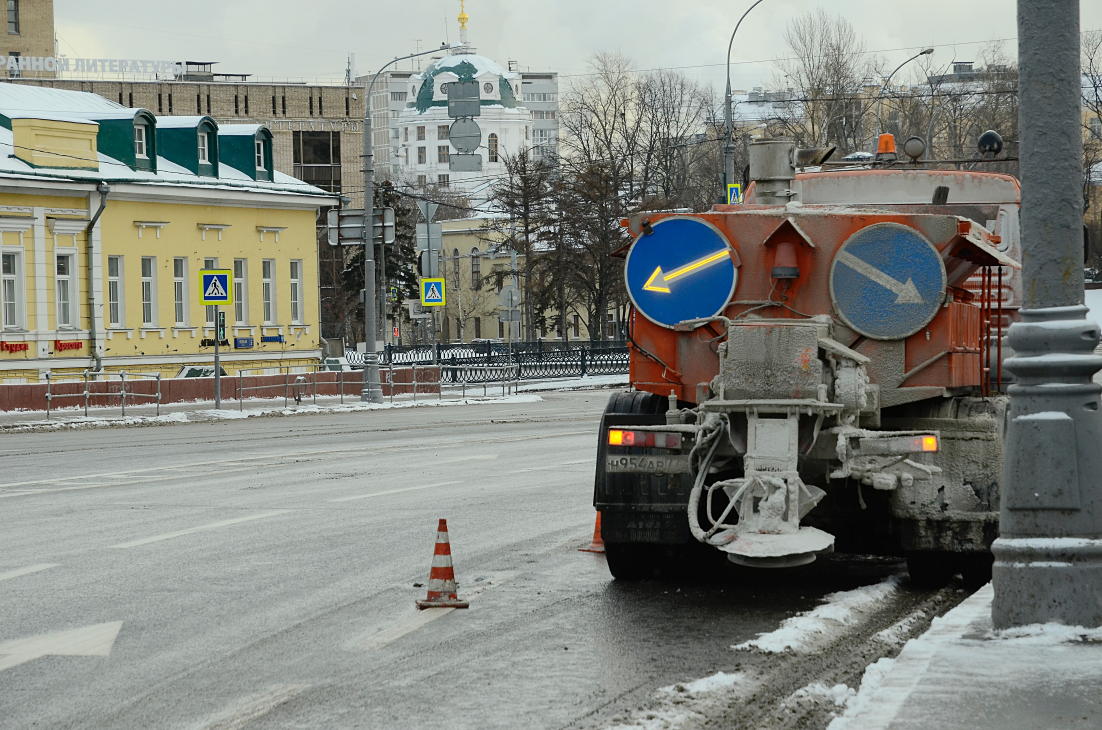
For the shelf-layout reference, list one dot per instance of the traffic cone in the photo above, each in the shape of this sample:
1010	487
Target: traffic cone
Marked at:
442	576
598	545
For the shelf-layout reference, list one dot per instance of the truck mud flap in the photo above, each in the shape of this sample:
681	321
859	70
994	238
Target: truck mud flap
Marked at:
670	528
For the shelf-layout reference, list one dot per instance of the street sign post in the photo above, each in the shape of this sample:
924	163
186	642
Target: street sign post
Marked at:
215	289
346	226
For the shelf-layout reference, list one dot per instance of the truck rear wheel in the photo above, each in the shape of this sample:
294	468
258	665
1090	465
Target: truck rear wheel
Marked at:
631	560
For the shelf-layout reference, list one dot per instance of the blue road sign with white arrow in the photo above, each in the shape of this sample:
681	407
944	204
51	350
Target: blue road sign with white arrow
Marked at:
684	270
887	281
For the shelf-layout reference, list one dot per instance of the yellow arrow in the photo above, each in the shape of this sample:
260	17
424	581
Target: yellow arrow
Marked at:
698	265
651	286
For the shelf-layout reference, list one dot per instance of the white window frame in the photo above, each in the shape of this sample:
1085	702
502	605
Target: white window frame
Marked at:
17	281
210	263
204	147
180	292
149	292
116	293
260	155
241	292
69	309
268	290
140	147
296	292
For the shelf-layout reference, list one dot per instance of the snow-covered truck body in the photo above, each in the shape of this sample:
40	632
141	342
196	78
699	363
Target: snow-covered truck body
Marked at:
818	368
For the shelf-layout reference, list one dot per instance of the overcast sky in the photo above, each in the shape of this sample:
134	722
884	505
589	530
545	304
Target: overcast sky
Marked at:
289	39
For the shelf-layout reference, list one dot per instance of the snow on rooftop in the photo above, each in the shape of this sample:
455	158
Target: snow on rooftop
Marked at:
236	130
179	122
32	100
481	64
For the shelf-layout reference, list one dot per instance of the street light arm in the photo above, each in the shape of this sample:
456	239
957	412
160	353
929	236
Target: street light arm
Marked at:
728	152
443	47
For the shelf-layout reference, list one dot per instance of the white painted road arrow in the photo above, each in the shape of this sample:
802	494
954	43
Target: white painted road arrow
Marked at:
905	293
88	641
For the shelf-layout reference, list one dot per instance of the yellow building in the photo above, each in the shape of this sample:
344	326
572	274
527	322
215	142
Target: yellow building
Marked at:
107	215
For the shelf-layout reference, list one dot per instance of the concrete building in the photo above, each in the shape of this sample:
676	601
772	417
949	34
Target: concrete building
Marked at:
28	50
540	95
168	196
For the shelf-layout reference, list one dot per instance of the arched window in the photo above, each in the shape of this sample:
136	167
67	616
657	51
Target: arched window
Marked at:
455	266
491	145
476	270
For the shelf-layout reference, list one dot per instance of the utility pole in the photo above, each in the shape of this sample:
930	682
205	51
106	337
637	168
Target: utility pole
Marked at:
372	391
1048	558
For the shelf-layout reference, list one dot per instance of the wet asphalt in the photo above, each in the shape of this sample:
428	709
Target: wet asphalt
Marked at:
264	573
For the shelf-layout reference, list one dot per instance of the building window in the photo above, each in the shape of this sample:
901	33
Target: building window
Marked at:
296	292
476	270
208	104
1096	128
139	141
210	264
198	104
420	134
397	96
11	281
311	106
442	155
500	329
267	271
455	268
442	131
204	151
540	97
478	328
273	106
240	278
491	146
130	99
317	159
236	107
13	17
422	181
15	73
347	106
160	103
405	134
115	307
63	291
149	292
577	326
170	103
443	180
422	155
283	103
246	105
260	155
179	290
321	112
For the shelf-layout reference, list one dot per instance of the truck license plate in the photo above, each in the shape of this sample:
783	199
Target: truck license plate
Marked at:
647	464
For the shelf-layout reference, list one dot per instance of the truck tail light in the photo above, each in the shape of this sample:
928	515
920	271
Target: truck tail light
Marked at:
618	437
929	443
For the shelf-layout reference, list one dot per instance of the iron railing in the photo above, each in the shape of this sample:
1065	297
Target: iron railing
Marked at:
122	393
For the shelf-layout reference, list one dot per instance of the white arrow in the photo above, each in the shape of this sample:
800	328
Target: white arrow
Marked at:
88	641
905	293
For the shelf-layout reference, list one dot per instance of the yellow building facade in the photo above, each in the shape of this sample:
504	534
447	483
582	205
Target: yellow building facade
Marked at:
100	254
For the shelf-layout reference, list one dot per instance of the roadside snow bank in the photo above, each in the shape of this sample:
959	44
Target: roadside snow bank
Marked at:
805	631
684	702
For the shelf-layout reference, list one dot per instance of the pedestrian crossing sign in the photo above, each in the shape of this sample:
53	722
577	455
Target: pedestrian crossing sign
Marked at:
432	292
734	194
214	287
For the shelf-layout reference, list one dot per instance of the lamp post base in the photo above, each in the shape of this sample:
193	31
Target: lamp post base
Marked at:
372	391
1047	579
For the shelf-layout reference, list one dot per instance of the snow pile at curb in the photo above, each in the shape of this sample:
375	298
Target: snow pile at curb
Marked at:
871	681
805	631
1047	634
227	414
839	695
683	702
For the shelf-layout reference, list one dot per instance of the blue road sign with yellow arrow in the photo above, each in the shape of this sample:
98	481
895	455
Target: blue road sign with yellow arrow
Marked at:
683	270
887	281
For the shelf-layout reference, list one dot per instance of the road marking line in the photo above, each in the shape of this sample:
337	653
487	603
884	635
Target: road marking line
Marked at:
392	491
255	707
28	570
415	621
552	466
200	528
87	641
465	458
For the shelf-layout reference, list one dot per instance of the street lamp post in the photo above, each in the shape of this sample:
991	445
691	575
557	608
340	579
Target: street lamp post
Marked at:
728	147
372	391
880	96
1048	557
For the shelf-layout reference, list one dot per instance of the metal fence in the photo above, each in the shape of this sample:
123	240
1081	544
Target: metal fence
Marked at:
532	360
122	393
